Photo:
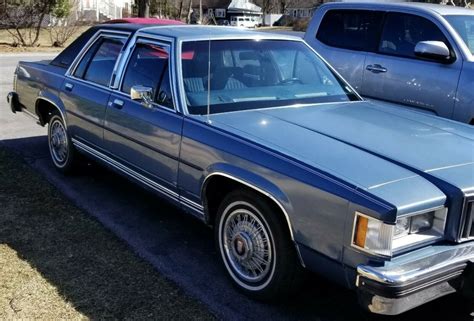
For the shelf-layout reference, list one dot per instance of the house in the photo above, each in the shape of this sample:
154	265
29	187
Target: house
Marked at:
102	10
299	9
225	9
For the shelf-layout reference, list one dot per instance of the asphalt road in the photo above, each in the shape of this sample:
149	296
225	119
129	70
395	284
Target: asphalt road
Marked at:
179	246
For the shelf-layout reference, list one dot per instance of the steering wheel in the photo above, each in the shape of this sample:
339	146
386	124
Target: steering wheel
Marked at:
290	81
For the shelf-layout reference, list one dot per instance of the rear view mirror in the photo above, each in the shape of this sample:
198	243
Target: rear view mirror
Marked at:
142	93
436	50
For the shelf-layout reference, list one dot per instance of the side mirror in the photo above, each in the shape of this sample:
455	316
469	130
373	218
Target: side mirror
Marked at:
436	50
142	93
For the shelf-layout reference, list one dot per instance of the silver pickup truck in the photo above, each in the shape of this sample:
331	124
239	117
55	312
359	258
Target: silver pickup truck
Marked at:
414	54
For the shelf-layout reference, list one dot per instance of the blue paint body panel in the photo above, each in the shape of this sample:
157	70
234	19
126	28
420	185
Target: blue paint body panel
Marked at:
320	163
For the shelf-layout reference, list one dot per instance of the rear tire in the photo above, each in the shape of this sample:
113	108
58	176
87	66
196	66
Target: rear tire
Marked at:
63	153
255	247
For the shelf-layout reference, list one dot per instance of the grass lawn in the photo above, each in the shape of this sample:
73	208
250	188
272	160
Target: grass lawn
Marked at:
44	42
56	262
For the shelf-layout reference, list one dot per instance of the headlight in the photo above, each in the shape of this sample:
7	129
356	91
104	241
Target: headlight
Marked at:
377	237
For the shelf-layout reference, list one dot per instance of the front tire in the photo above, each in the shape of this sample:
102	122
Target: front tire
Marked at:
255	247
61	149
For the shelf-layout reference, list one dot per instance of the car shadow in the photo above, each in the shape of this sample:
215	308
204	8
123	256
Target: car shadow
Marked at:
180	248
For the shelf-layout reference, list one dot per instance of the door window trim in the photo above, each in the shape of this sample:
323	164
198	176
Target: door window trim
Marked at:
450	47
166	43
352	10
385	12
98	36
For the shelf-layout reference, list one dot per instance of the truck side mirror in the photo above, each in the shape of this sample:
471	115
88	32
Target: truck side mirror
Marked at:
435	50
143	94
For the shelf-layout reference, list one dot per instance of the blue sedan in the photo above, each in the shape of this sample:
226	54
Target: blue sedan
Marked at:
257	136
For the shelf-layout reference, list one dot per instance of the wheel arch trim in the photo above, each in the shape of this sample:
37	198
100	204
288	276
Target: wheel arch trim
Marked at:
54	103
259	190
252	186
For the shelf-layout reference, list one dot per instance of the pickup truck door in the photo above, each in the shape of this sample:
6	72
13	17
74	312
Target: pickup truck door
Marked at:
395	74
343	37
146	137
85	91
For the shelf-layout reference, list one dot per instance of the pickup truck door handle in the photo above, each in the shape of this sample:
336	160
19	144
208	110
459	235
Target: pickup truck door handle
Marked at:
117	103
68	86
376	69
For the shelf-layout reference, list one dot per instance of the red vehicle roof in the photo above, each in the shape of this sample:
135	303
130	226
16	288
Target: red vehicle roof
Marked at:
147	21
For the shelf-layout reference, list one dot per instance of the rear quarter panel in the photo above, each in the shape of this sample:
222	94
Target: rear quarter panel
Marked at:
37	79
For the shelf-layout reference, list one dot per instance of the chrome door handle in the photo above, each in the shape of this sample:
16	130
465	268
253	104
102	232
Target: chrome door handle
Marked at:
68	86
376	69
117	103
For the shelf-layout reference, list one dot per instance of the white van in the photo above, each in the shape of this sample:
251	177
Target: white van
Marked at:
244	21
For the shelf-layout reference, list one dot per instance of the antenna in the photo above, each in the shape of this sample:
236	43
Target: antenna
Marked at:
209	81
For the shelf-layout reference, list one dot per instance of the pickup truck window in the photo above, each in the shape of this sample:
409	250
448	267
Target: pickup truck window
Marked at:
464	25
98	63
267	73
351	29
148	66
402	32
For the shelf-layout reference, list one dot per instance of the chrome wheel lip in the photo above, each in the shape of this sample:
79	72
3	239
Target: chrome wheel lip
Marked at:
241	277
58	143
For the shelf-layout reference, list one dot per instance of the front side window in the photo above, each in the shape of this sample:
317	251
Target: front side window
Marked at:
464	25
251	74
402	32
98	63
148	66
351	29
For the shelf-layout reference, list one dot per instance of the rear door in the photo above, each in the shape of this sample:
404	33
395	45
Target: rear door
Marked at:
85	91
344	37
395	74
146	138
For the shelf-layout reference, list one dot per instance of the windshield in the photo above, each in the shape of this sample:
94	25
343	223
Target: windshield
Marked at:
464	26
252	74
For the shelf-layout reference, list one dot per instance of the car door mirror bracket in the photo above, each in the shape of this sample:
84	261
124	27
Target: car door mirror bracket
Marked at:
143	94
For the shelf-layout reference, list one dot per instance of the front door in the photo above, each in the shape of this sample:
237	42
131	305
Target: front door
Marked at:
146	138
395	74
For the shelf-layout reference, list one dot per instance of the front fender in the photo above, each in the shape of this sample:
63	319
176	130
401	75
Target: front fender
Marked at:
251	180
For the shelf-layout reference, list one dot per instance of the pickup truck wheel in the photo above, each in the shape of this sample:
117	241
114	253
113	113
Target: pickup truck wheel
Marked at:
60	147
255	247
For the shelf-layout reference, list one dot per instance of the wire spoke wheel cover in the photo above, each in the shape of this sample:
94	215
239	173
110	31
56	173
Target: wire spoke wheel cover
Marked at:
58	143
247	245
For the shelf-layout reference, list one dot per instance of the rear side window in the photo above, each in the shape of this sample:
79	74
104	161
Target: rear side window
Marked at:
351	29
98	63
402	32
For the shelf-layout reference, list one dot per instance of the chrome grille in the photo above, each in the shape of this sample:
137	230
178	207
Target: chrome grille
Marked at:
467	223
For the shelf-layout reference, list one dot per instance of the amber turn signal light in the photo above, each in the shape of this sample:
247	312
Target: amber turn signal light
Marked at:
361	231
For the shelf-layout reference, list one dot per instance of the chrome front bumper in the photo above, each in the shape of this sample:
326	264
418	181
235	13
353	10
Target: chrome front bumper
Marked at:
415	278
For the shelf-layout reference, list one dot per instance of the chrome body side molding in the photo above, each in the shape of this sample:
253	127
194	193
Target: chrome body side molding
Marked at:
196	209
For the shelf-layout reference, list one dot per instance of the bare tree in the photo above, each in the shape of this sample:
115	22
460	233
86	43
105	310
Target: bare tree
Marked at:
63	24
143	8
23	20
190	11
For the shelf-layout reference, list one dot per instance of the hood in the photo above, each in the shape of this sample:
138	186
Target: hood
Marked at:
368	145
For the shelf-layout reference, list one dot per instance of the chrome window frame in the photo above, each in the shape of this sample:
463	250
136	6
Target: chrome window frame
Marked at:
140	37
179	65
100	34
436	22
